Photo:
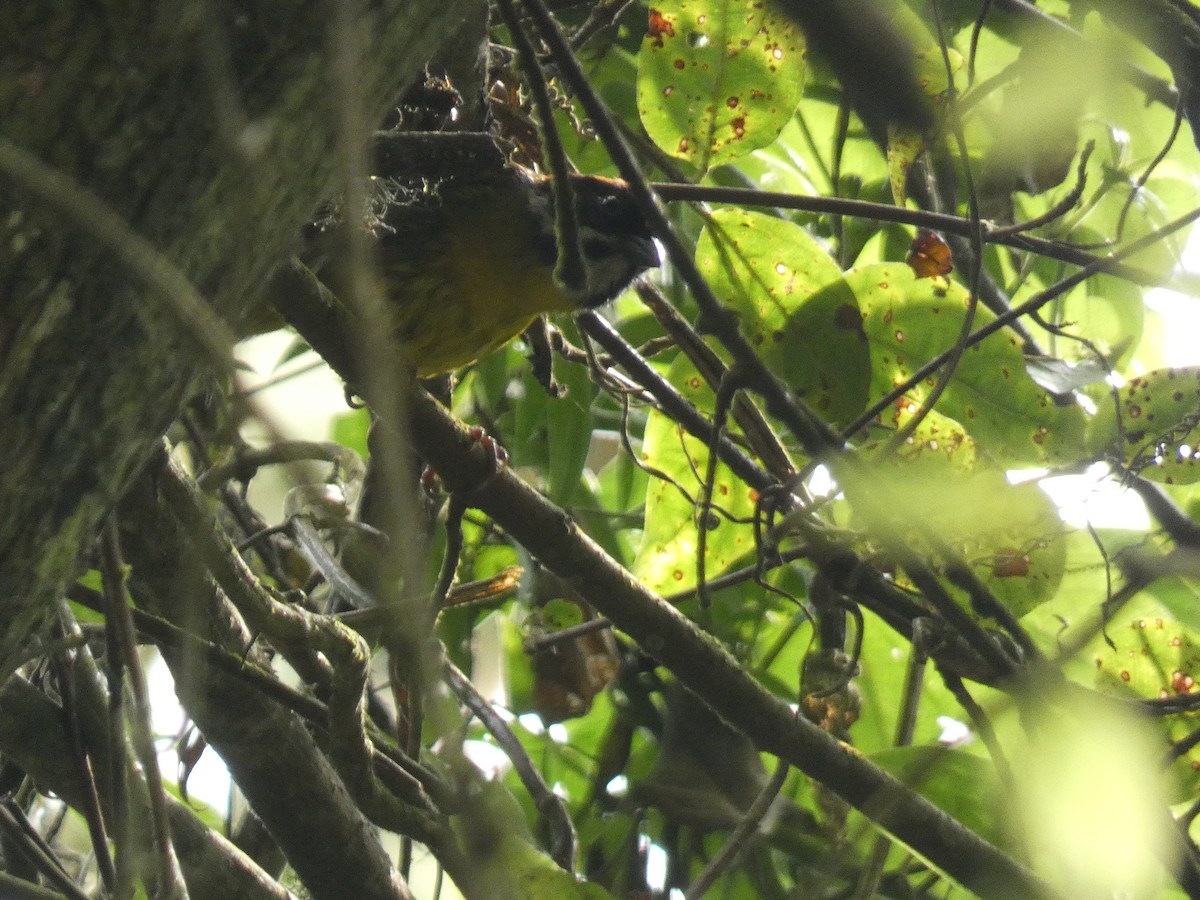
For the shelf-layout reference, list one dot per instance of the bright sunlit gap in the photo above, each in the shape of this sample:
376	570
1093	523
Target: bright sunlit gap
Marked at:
209	781
1094	498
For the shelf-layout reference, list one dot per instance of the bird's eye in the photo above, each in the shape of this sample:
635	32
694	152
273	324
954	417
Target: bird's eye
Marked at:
613	211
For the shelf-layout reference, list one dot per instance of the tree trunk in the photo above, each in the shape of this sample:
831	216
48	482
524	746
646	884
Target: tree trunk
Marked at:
143	140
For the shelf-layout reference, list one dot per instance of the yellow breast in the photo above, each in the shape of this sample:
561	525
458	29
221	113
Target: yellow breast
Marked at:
481	284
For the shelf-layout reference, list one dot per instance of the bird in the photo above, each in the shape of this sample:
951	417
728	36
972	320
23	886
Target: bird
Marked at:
467	263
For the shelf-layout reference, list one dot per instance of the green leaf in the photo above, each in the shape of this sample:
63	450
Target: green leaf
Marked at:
909	321
622	484
1089	575
1137	219
666	559
1109	311
779	165
885	661
613	71
551	435
718	78
905	145
494	829
1023	556
903	148
94	580
569	432
350	429
1180	597
1151	425
1114	313
86	616
558	614
935	435
794	307
960	783
1010	535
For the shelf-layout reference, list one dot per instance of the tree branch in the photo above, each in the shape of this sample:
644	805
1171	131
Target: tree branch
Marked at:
32	734
273	758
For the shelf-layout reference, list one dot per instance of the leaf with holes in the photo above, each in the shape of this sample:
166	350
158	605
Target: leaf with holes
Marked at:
718	78
1151	424
934	435
1156	658
793	305
908	321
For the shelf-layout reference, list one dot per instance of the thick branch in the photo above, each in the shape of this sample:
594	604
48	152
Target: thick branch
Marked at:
706	668
697	659
273	757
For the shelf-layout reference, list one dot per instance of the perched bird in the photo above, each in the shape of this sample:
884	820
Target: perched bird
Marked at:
467	264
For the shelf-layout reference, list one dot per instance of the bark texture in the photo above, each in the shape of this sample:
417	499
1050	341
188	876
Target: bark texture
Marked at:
210	133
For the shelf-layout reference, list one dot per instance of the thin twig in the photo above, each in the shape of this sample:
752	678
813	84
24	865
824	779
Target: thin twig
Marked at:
673	404
539	642
64	663
885	212
548	803
248	460
121	630
726	393
603	15
741	835
570	269
23	836
758	433
983	726
1059	209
